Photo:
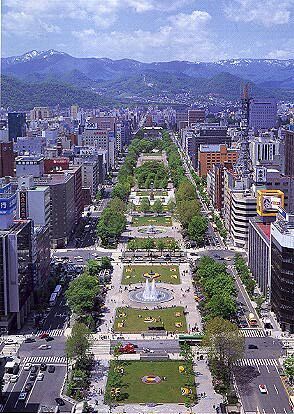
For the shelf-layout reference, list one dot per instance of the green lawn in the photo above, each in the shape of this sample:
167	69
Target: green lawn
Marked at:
134	274
136	391
140	242
146	193
152	220
133	320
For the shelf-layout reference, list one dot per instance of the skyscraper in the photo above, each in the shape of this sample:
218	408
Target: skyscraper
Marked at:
262	113
16	125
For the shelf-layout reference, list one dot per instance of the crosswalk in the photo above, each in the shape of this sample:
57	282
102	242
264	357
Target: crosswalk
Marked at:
1	408
256	362
61	360
100	347
252	333
51	332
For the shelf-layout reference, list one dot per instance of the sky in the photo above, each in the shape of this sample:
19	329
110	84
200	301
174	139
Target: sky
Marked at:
151	30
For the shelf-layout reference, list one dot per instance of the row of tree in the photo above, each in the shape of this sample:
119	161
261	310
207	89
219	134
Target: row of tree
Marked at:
219	292
112	222
149	244
244	274
152	173
157	207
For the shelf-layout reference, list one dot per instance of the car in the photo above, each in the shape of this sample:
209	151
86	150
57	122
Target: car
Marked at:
44	346
59	401
252	346
40	376
262	388
243	324
14	378
27	366
49	338
127	349
32	377
10	341
51	368
43	366
43	335
22	396
28	386
29	340
34	369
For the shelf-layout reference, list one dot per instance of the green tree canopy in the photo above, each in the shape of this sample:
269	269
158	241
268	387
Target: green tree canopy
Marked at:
82	293
78	343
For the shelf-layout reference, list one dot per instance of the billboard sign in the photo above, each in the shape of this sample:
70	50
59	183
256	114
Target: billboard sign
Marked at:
269	202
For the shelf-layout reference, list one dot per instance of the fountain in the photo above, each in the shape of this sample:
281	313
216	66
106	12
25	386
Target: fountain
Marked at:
150	230
151	293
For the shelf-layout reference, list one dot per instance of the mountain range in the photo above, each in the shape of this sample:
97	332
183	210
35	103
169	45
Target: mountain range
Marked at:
127	79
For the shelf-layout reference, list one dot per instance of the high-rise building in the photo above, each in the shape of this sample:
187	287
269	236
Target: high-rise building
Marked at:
209	155
262	113
74	109
29	165
196	116
16	275
16	125
282	270
289	153
39	112
6	159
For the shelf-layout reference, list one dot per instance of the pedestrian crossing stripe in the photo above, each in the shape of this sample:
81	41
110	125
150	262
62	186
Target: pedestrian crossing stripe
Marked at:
1	408
51	332
252	333
256	362
45	359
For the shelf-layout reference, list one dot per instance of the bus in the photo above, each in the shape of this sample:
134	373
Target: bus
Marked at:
252	320
53	298
57	290
11	367
191	339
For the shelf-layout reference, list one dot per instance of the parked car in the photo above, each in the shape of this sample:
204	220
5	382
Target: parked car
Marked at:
14	378
252	346
49	338
32	377
127	349
45	346
40	376
43	366
27	366
28	386
34	369
44	335
29	340
22	396
51	368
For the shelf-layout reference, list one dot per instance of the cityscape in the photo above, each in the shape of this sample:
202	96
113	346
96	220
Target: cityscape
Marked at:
147	207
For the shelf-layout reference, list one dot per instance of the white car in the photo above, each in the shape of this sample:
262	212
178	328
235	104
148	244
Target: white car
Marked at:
10	341
14	378
40	376
45	346
27	366
22	396
262	388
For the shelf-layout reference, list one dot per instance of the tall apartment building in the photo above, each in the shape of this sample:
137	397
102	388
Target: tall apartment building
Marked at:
29	165
30	145
181	118
39	112
74	109
282	271
265	151
16	125
6	159
262	113
196	116
243	208
209	155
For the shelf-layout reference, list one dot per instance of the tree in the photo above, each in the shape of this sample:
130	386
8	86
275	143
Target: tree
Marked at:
82	293
221	305
160	245
289	367
111	225
106	262
157	206
172	245
78	343
225	343
185	192
145	205
148	244
186	210
133	245
197	229
93	267
121	190
171	205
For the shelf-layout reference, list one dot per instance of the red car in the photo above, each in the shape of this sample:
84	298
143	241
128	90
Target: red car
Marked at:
127	349
43	335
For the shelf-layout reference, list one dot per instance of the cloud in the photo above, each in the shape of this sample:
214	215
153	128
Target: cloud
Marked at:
184	37
285	52
265	12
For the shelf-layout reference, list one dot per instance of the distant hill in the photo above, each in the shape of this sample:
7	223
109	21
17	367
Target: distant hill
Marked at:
57	64
19	95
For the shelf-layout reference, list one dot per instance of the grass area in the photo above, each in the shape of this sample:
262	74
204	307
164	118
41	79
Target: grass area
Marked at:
146	193
140	242
133	320
134	274
152	220
137	208
136	391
